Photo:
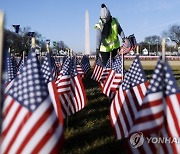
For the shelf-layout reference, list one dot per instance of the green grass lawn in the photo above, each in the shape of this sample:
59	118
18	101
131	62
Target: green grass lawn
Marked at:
89	131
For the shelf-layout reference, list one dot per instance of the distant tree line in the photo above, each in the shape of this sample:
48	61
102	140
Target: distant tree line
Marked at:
153	43
19	42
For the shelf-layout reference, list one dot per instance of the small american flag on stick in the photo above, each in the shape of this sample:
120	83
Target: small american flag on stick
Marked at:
128	99
159	112
30	124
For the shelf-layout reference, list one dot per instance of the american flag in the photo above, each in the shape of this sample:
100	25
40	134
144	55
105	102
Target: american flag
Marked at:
10	71
98	68
21	63
11	68
54	69
159	112
79	68
77	93
64	59
63	79
129	44
48	67
58	63
128	99
85	64
70	89
114	78
30	124
105	73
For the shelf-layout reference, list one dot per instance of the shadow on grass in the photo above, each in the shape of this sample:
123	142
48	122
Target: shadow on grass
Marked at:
111	147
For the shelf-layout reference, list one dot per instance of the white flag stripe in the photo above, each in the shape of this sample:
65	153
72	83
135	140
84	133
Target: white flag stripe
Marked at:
113	116
121	117
107	85
9	116
170	118
30	123
12	131
6	103
78	89
149	124
146	112
75	102
171	123
63	83
96	73
153	97
52	141
39	134
138	96
69	105
125	105
144	89
176	108
8	86
168	146
132	105
74	97
63	102
61	90
51	93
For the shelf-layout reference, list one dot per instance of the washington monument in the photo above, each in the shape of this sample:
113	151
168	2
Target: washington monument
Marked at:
87	40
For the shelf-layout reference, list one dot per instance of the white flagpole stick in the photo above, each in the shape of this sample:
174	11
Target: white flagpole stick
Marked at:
33	41
1	60
1	49
47	47
137	50
163	59
23	57
163	49
122	59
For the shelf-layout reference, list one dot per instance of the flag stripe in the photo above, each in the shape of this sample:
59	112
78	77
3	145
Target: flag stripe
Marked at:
34	129
29	125
41	132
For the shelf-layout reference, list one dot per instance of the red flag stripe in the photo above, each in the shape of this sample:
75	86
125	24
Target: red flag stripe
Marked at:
55	100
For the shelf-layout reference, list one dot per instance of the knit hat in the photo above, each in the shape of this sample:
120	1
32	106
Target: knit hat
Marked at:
105	13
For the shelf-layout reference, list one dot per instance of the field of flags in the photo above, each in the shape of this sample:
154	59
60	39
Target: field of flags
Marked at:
41	93
138	105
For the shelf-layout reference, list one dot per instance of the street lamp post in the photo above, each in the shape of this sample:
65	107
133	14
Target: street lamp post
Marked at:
157	41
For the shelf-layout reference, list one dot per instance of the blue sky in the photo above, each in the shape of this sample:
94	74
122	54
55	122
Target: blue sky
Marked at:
65	19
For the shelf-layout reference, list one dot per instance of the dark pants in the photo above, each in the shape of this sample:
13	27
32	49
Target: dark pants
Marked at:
105	55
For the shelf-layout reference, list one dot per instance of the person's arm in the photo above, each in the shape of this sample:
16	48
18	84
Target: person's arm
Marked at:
121	32
98	42
98	38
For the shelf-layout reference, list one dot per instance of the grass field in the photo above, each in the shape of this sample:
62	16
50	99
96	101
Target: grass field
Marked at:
89	131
